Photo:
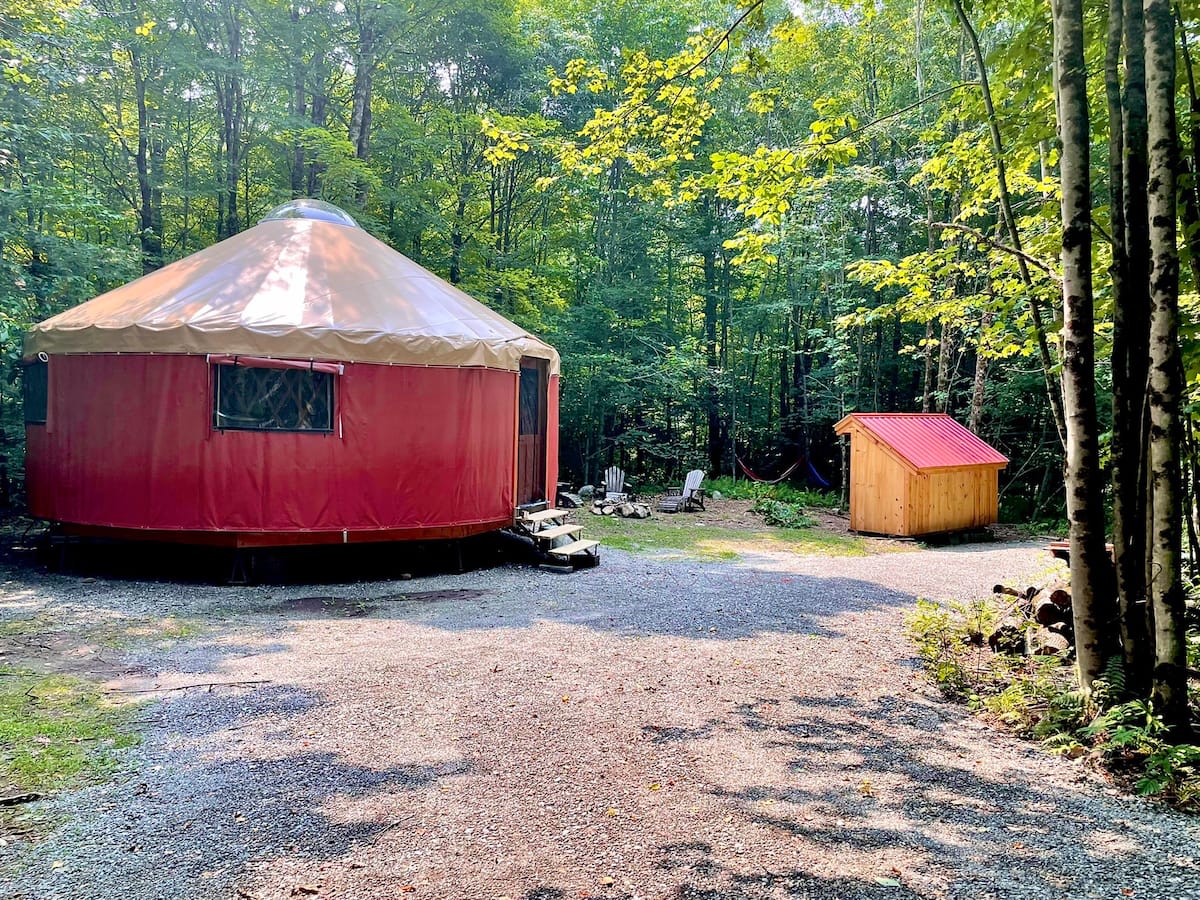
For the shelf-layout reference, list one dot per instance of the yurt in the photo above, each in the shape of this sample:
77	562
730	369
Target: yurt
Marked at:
300	382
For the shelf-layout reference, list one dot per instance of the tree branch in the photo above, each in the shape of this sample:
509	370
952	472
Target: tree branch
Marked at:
992	242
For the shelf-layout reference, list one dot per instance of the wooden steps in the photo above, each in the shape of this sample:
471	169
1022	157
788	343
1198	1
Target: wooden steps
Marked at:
549	534
545	515
545	526
576	548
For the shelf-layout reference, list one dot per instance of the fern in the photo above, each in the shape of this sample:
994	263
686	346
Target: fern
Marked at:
1109	688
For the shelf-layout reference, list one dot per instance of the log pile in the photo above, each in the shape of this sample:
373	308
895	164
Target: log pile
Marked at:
1036	623
626	510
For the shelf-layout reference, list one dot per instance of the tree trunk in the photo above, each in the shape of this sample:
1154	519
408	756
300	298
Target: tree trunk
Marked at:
149	223
1091	581
945	358
712	390
1129	355
981	367
359	131
927	384
1169	687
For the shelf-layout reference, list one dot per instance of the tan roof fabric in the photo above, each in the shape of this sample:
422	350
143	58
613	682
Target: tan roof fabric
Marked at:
295	288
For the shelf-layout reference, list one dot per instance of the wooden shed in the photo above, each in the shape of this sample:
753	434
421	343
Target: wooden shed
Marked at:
919	473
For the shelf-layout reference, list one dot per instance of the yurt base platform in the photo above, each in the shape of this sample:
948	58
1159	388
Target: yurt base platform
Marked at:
267	539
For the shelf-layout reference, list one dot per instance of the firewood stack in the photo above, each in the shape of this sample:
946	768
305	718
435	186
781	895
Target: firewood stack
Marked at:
1037	623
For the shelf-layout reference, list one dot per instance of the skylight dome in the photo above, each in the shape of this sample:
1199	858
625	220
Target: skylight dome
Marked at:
311	209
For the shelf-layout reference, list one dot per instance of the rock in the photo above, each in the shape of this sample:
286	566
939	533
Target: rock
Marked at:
596	511
587	491
567	500
717	495
630	510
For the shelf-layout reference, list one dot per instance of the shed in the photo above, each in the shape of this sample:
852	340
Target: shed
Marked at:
300	382
919	473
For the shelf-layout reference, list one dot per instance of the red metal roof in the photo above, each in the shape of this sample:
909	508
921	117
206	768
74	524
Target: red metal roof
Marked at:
926	440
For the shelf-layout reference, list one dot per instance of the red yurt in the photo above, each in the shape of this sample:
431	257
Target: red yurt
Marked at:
300	382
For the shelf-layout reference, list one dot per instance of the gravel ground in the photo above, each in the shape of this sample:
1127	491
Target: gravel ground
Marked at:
651	728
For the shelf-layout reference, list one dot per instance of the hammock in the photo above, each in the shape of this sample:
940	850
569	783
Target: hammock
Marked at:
788	471
812	470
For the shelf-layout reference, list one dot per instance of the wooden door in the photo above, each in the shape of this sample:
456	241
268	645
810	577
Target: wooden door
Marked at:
531	431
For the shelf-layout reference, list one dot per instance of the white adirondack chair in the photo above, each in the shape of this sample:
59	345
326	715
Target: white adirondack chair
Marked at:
614	485
686	498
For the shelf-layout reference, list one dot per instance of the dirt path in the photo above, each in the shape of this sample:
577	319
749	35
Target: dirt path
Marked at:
647	729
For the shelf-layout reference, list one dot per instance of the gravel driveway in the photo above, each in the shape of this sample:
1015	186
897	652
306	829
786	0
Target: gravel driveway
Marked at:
650	728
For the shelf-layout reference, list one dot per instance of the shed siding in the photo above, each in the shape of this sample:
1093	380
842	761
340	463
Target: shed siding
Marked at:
878	488
952	500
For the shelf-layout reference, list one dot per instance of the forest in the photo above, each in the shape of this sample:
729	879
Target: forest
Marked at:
712	292
736	221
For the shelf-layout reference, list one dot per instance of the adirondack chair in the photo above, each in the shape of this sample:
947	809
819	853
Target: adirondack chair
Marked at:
614	485
686	498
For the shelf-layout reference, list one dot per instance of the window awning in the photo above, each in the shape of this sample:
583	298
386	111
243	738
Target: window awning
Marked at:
270	362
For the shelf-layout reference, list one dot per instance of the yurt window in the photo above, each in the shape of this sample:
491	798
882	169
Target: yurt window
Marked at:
35	390
247	398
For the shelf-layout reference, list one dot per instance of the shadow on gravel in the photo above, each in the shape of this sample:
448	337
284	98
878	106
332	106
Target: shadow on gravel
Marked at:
858	779
195	826
725	606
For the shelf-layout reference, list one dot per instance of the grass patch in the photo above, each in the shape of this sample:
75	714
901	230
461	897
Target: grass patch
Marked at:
714	541
57	732
13	628
120	634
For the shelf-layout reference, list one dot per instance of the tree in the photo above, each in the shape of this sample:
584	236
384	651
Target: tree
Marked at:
1091	583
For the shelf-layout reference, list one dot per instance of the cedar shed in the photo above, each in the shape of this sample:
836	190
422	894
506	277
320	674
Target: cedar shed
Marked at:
919	473
298	383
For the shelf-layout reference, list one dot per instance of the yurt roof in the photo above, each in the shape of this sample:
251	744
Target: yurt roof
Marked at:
303	283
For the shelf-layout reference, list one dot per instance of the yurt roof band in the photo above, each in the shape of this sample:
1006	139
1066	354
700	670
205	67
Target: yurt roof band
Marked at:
295	289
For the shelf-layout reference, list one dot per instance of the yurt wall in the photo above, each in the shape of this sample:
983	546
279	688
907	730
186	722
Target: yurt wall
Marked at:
129	442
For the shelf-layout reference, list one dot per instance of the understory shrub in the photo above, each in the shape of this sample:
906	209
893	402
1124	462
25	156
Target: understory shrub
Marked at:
783	515
1037	697
745	489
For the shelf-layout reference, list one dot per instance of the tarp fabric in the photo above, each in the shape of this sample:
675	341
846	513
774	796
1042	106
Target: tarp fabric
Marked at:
295	289
129	443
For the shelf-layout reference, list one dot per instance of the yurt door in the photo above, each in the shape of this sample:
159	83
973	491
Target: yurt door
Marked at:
531	432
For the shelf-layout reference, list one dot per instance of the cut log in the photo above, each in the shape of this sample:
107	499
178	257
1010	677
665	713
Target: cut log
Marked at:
607	510
1005	589
1009	636
1060	594
1066	628
596	511
1045	642
1045	611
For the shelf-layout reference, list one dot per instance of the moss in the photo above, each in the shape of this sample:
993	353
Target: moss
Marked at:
11	628
716	542
124	633
57	732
